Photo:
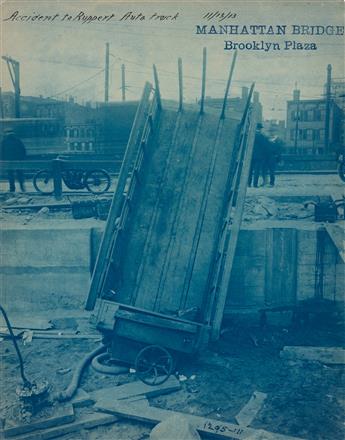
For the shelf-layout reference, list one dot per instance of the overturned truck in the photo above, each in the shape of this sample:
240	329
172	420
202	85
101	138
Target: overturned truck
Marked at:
163	267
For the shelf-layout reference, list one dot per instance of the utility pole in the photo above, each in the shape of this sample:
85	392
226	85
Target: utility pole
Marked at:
106	75
328	107
1	105
13	68
123	82
296	98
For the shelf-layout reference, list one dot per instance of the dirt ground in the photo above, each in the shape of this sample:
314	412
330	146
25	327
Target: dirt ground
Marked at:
305	399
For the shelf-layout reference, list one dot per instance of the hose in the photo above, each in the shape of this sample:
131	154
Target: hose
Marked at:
21	362
69	392
106	369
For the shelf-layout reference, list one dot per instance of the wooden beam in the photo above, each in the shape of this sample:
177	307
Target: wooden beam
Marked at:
116	205
157	89
216	428
57	168
235	222
106	396
203	81
180	85
231	72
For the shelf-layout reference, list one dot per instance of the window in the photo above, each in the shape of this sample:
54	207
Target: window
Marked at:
322	135
316	135
309	134
292	134
317	114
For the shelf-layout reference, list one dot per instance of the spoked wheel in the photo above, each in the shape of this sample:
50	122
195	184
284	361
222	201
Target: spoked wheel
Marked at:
44	182
97	181
154	365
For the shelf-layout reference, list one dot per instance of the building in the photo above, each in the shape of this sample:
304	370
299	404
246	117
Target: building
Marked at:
338	95
306	122
235	106
78	129
41	136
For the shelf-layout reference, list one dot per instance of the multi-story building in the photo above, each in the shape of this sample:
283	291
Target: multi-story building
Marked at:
64	126
306	123
338	95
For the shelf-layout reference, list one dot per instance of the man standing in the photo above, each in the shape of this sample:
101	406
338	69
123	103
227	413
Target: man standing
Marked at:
272	157
261	146
12	148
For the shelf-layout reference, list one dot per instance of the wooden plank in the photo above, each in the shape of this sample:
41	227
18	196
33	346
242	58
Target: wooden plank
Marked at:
166	337
337	235
144	217
84	421
156	321
114	211
135	389
157	89
325	355
231	72
216	428
159	238
61	415
281	267
176	285
234	226
250	410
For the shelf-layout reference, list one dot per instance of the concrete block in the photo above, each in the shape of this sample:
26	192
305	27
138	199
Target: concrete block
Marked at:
45	247
44	291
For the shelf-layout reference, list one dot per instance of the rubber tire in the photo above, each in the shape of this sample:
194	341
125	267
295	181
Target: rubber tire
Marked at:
341	171
106	175
37	176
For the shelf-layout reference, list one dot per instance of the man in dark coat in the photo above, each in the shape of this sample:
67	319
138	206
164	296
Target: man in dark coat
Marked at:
12	148
261	146
272	158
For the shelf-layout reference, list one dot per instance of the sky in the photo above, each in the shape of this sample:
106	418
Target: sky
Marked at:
63	58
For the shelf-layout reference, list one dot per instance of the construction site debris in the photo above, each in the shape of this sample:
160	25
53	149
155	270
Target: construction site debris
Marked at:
248	413
325	355
81	399
43	211
218	429
84	421
176	427
57	415
105	396
263	208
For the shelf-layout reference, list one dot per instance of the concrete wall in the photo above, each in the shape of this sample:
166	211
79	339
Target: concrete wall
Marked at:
43	269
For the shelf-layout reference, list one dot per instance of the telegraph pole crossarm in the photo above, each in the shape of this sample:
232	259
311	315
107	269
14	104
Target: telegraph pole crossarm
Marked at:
13	68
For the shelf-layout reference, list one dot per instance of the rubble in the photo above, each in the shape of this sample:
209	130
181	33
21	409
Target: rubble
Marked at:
175	427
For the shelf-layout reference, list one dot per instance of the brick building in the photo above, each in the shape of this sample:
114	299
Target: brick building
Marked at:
305	125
